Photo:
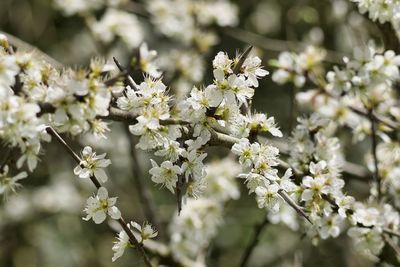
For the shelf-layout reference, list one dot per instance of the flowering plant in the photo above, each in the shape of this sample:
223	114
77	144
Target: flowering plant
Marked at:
189	124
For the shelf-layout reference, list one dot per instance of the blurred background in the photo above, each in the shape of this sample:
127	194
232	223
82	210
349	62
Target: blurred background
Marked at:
41	225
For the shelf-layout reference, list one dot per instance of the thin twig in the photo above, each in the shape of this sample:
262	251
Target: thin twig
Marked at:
392	244
96	182
258	229
6	157
242	58
129	79
246	107
374	155
149	208
277	45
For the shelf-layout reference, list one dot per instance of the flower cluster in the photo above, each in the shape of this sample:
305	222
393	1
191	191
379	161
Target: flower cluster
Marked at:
145	232
367	82
216	106
317	187
381	10
184	19
292	67
197	224
34	94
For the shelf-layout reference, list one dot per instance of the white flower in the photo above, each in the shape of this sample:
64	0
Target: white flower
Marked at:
330	226
260	122
221	88
193	165
253	70
147	64
246	151
222	62
366	216
254	180
314	187
120	246
146	231
344	203
10	183
170	150
130	101
367	241
99	206
8	70
239	86
166	174
92	164
267	196
118	23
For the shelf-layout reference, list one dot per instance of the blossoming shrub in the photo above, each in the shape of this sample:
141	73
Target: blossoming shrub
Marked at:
202	140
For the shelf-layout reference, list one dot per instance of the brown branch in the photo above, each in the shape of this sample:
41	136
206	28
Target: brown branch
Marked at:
128	77
121	221
258	229
374	155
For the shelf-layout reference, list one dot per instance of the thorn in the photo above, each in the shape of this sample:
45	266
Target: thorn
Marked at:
290	201
129	79
242	58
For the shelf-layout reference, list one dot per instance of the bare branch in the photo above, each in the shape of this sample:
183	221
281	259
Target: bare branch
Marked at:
258	229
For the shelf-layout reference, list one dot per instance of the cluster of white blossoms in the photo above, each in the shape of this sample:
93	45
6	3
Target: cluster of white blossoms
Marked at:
347	97
316	156
118	23
179	133
292	67
143	232
365	83
192	230
34	94
189	24
381	10
187	20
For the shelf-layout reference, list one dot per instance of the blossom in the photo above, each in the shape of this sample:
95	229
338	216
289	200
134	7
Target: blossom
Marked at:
146	58
92	164
118	23
193	165
246	151
9	183
260	122
120	245
330	226
99	206
314	187
170	150
221	61
8	70
166	174
267	196
146	231
253	70
367	241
